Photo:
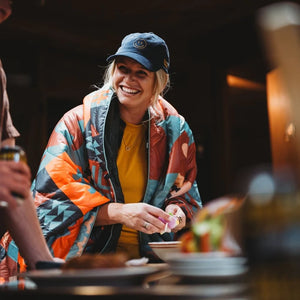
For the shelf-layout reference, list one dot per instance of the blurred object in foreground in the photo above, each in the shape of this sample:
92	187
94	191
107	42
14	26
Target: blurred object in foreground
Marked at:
215	227
272	218
211	251
279	25
271	230
96	261
15	153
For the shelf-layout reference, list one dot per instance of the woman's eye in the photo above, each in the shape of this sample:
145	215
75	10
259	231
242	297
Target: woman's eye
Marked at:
123	69
142	73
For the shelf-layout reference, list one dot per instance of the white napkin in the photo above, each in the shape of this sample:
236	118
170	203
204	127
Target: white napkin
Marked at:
137	262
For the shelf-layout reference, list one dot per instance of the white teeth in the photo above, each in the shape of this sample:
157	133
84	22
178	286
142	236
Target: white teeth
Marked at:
128	90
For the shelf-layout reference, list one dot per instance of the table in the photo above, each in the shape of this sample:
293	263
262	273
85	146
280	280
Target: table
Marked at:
161	285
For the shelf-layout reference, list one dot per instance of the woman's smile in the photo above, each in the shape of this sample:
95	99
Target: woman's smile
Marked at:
129	90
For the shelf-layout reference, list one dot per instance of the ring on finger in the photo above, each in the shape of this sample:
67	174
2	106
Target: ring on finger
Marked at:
146	225
179	219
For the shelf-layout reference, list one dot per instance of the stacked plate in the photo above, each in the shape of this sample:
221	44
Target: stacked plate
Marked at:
207	265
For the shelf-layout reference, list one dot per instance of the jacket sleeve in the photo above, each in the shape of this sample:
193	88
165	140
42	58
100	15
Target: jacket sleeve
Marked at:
184	191
63	190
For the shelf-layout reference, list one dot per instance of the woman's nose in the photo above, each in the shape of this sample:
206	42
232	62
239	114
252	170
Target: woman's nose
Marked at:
130	77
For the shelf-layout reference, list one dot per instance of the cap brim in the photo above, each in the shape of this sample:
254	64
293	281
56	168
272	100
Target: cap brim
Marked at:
139	58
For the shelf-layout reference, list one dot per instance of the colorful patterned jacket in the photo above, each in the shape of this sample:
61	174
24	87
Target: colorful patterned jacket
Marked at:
78	173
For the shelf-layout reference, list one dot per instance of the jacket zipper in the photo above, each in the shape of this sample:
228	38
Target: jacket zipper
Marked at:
111	184
148	172
148	160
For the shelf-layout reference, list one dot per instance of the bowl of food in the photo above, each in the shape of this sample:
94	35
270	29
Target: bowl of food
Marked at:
216	228
165	249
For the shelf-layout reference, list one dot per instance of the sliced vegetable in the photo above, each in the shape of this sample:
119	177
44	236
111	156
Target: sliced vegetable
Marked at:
172	223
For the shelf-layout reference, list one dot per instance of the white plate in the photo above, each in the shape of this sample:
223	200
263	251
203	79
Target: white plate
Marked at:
127	276
214	264
209	272
200	255
194	260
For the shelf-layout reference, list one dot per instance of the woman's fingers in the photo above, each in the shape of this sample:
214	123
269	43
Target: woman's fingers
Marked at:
6	199
15	179
145	217
179	214
150	219
152	224
15	167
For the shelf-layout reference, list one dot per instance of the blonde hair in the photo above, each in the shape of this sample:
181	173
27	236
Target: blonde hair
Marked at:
161	81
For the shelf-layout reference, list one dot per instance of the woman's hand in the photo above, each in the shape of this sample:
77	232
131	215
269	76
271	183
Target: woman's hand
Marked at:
139	216
15	178
177	212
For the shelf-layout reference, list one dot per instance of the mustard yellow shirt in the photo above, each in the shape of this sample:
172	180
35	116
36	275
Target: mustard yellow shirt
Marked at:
132	168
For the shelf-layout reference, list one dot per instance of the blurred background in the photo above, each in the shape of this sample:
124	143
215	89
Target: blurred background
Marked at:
54	51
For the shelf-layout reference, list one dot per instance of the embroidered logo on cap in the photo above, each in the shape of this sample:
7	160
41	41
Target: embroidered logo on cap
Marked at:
140	44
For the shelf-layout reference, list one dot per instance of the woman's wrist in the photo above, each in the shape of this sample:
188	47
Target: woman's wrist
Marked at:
110	213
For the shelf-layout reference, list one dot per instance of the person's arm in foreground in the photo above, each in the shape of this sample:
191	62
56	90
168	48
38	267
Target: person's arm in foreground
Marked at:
21	220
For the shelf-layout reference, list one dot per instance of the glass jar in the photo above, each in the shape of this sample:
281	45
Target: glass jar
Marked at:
13	153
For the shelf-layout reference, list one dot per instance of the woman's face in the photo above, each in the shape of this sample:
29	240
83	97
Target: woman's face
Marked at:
133	83
5	10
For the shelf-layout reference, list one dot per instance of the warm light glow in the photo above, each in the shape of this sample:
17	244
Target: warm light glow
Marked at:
242	83
282	126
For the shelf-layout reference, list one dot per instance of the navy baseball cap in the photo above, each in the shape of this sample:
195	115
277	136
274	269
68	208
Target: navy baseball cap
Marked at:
146	48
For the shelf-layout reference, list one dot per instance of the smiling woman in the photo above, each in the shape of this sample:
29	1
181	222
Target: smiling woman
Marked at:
107	179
